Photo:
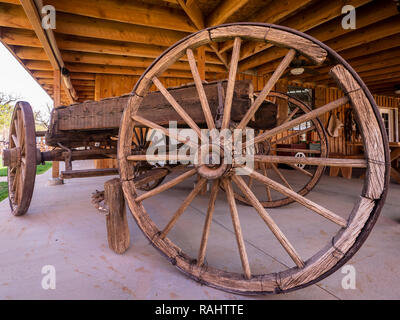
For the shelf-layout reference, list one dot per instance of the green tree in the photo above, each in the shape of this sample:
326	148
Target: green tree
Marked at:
6	110
42	118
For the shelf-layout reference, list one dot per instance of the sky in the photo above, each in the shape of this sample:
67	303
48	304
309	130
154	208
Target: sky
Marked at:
15	80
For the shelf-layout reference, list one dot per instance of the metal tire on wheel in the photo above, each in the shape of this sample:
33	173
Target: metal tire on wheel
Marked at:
21	158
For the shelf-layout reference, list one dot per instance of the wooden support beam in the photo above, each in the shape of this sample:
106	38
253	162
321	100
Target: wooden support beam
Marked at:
149	15
118	60
326	31
106	69
196	16
46	37
90	173
193	11
74	75
110	30
274	12
224	10
375	64
68	24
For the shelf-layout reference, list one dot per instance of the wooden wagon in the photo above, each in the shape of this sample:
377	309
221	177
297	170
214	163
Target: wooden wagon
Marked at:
119	128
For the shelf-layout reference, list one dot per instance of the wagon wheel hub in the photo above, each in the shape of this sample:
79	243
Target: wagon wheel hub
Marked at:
12	157
210	161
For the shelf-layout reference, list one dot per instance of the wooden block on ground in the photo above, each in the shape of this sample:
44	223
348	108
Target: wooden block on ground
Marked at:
117	223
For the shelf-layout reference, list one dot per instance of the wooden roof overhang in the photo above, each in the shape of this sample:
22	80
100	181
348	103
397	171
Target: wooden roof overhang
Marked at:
123	37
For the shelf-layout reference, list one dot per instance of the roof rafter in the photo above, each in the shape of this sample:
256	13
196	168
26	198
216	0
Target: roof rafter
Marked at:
31	9
224	10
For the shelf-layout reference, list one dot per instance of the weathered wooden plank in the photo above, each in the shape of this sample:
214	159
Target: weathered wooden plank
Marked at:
107	113
89	173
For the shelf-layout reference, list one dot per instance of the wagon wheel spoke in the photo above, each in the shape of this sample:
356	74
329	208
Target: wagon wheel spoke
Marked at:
280	175
304	118
15	187
16	126
298	198
18	187
23	166
192	124
332	162
166	185
292	114
238	230
15	180
269	221
267	88
231	83
200	90
141	137
21	137
15	139
207	223
268	189
307	173
165	131
250	182
182	208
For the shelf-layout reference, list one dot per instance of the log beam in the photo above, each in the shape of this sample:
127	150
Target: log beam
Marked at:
117	224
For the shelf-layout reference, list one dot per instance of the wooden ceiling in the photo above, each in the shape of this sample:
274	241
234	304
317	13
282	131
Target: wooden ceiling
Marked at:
124	37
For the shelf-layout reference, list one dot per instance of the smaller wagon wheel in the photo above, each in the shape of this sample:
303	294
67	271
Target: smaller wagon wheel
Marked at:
140	144
308	177
20	159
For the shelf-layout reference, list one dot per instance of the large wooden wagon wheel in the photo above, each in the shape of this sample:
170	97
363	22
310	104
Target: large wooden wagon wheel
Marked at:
349	229
20	158
307	178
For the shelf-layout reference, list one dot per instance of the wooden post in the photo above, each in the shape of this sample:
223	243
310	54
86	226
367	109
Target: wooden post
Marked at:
117	223
57	102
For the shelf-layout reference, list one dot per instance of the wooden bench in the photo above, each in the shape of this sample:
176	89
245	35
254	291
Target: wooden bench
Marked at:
346	171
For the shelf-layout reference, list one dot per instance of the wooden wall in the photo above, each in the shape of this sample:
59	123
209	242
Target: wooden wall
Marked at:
322	96
107	86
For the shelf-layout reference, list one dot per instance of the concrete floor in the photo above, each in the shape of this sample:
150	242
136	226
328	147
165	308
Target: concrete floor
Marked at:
63	229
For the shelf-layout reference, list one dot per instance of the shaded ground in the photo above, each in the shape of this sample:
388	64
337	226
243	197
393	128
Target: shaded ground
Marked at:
64	230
